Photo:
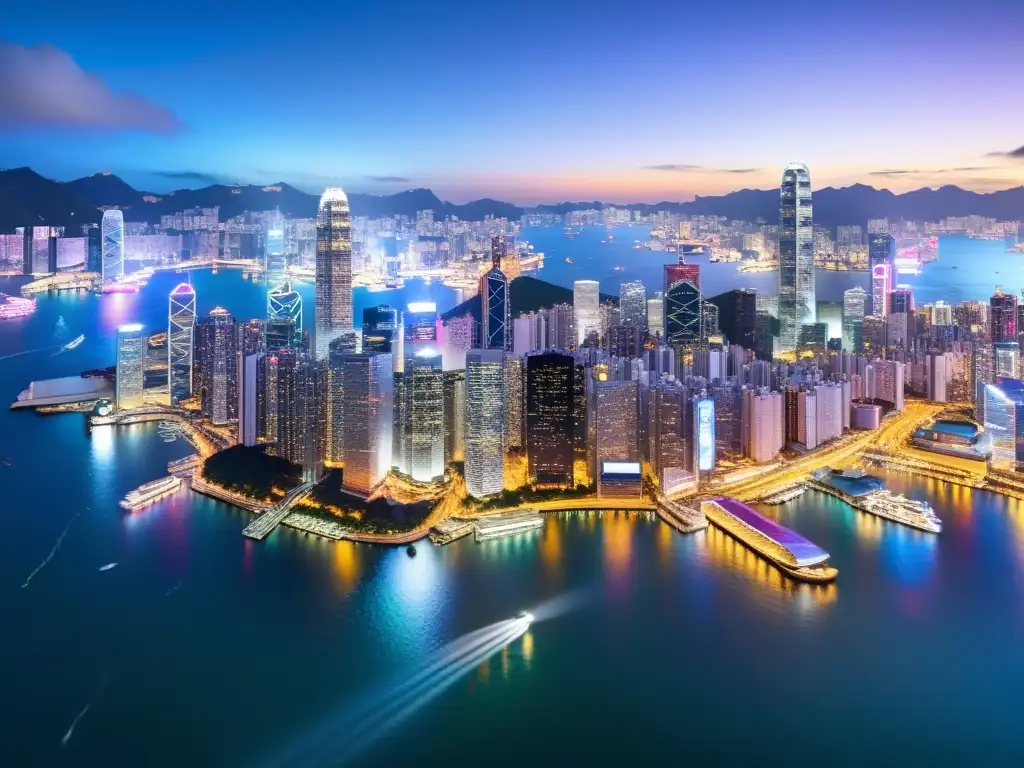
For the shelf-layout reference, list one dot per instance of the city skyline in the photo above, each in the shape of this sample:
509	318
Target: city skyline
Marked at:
584	135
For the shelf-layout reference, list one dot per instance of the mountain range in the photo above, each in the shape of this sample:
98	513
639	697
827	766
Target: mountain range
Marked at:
26	198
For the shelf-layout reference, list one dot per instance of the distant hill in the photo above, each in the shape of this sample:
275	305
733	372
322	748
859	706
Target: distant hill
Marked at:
526	294
28	198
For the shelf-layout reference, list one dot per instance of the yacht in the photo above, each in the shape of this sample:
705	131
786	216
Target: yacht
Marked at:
900	509
151	492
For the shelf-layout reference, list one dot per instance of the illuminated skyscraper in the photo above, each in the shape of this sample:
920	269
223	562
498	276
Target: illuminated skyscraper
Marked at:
180	342
737	316
333	307
366	442
612	421
550	421
217	344
251	397
94	257
1006	359
633	304
1003	316
274	262
881	249
131	366
380	324
454	385
284	317
515	374
670	436
853	317
656	315
586	309
419	329
881	287
485	422
425	393
797	305
497	323
683	314
704	433
112	235
1004	421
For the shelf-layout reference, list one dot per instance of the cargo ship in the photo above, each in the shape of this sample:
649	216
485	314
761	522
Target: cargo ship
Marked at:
795	555
508	524
150	493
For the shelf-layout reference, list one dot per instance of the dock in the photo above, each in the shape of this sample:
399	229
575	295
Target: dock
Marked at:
681	517
184	467
262	526
450	529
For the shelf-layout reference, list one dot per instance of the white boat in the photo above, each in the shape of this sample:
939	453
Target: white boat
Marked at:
900	509
150	492
508	524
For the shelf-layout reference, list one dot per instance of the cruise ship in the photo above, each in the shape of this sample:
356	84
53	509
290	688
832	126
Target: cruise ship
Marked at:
900	509
508	524
150	492
790	551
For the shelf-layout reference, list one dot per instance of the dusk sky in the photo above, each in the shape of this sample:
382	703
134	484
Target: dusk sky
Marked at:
528	102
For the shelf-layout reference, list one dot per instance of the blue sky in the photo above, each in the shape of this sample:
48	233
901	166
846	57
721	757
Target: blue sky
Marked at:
528	102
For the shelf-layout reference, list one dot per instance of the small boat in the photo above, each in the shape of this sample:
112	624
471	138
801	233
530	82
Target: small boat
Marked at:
410	551
108	566
568	260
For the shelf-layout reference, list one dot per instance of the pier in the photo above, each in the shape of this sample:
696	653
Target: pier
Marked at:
681	517
262	526
450	529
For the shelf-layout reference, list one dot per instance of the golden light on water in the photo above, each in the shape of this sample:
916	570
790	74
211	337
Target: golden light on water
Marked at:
618	542
348	566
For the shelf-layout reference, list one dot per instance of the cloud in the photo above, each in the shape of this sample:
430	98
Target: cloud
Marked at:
740	170
1016	154
389	179
44	87
929	171
682	168
191	176
891	172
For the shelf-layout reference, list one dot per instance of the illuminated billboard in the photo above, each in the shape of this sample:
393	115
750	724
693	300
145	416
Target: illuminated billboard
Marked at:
705	433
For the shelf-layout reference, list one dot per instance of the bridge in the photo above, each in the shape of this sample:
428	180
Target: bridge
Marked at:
261	527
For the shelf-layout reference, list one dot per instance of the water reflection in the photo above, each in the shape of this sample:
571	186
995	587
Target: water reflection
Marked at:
348	563
618	549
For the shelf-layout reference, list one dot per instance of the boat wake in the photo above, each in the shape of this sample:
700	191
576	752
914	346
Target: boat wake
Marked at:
95	697
173	589
49	557
27	352
339	741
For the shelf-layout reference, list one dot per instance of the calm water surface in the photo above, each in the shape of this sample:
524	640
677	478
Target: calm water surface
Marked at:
218	651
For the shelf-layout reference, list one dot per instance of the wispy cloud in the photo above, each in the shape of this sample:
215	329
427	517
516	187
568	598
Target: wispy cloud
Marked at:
891	172
685	168
45	88
1016	154
191	177
389	179
929	171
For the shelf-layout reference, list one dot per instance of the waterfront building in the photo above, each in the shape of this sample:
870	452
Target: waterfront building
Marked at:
181	320
1003	316
854	303
762	425
275	263
112	235
380	325
284	307
496	310
728	419
1004	422
656	315
633	304
796	256
216	346
131	366
737	316
485	422
301	410
515	380
333	307
982	373
550	418
454	385
670	436
828	411
866	416
612	424
586	310
367	412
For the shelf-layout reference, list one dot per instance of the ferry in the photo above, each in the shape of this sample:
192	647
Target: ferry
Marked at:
900	509
795	555
150	492
508	524
73	343
568	260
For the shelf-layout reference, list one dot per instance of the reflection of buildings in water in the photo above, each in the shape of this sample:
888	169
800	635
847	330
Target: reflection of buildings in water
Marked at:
527	649
505	665
868	527
348	563
618	542
663	537
551	544
722	549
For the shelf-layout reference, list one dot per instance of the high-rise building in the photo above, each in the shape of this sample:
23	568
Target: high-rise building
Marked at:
284	314
418	447
586	310
181	322
1003	316
670	435
1004	421
333	308
251	397
796	256
131	366
703	433
496	311
94	245
454	386
550	418
881	250
1006	358
275	262
380	325
737	316
419	329
881	287
633	304
368	385
612	424
217	343
854	301
302	411
656	315
112	235
683	314
515	375
762	425
485	422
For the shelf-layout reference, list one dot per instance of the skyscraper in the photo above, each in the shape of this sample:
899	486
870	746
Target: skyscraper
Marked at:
454	386
670	437
515	372
181	322
274	262
251	397
881	287
131	366
112	235
796	256
485	422
737	316
612	419
497	323
684	314
94	245
1003	316
333	308
853	317
379	327
633	304
881	250
656	315
550	422
217	343
366	441
425	393
586	309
